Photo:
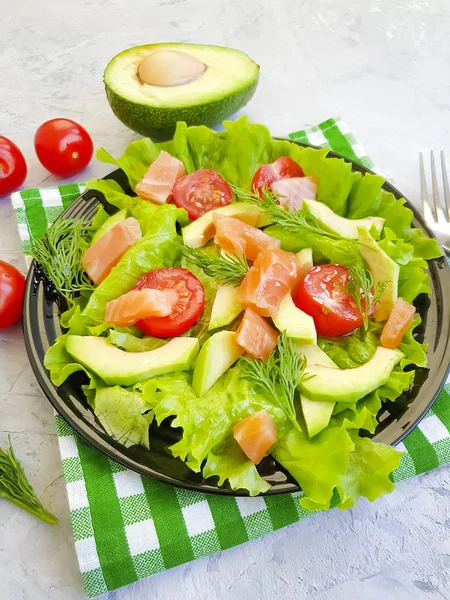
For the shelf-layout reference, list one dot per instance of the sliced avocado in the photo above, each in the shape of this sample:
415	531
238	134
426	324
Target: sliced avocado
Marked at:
315	355
118	217
383	269
150	88
304	260
199	232
226	307
347	228
116	366
317	414
349	385
295	322
215	357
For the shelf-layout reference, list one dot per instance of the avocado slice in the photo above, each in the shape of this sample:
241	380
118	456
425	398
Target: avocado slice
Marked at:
349	385
150	88
304	260
226	307
116	366
317	414
383	269
199	232
347	228
216	356
118	217
295	322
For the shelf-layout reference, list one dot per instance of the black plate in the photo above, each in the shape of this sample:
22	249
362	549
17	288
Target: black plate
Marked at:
42	327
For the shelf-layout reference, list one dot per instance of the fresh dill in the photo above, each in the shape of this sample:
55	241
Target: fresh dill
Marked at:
223	268
360	287
298	220
60	252
279	376
15	487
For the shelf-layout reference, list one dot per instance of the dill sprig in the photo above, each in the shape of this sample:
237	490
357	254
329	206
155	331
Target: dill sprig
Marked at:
15	487
59	253
298	220
226	269
279	376
359	285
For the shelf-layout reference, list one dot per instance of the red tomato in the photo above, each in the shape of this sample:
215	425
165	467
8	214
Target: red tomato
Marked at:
13	168
185	312
12	286
322	295
283	168
63	147
200	192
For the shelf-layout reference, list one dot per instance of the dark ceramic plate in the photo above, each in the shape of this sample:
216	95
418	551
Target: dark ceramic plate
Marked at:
42	327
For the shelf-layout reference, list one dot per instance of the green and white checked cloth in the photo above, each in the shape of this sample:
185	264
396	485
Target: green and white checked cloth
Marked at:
127	527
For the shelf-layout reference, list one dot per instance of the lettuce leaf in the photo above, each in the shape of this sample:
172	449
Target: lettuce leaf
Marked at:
368	472
207	422
316	464
124	415
57	360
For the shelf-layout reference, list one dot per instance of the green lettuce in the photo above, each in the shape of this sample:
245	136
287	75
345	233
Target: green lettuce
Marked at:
207	424
368	472
124	414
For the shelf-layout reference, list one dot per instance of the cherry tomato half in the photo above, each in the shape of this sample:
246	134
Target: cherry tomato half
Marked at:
186	310
283	168
322	295
63	147
200	192
12	286
13	168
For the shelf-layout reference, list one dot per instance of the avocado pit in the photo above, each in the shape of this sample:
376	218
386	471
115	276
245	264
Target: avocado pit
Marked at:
169	68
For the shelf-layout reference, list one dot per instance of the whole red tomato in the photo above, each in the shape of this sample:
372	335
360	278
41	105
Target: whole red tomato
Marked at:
64	147
13	168
12	286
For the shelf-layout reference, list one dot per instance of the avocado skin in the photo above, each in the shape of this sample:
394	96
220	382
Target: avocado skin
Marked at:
159	123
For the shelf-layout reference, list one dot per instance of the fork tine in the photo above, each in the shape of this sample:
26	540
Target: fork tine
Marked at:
435	187
446	188
426	208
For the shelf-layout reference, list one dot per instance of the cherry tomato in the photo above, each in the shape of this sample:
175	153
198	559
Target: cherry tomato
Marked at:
200	192
63	147
13	168
283	168
186	311
322	295
12	286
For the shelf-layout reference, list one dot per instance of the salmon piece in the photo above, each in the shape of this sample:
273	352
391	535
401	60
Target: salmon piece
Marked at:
256	336
105	253
160	178
129	308
398	323
236	237
272	276
256	434
292	191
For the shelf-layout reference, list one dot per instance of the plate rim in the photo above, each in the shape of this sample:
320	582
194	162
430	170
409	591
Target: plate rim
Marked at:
51	391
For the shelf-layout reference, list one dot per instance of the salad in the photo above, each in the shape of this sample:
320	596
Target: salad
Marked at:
256	293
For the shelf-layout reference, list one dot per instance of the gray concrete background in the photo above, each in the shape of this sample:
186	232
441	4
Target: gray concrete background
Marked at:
382	65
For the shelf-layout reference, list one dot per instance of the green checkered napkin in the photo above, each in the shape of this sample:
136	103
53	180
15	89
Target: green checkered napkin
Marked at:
127	527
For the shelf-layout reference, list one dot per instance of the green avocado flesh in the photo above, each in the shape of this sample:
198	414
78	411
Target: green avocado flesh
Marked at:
349	385
117	367
227	83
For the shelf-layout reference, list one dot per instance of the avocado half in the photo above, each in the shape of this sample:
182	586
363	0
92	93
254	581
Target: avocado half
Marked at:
152	87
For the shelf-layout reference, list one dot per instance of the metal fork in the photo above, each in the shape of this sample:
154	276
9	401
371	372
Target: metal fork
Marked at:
437	214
